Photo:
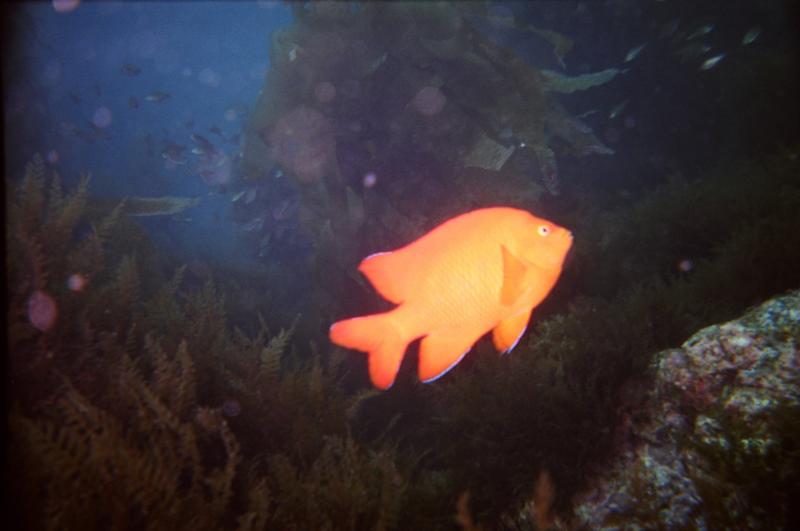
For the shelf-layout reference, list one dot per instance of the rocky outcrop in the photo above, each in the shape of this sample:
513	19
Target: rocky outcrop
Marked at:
715	442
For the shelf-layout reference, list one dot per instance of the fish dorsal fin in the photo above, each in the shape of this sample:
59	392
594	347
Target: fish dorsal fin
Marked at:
513	277
388	273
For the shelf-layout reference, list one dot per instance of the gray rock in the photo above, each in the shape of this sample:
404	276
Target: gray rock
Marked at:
715	443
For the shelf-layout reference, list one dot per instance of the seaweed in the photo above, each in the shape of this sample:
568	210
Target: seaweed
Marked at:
101	468
123	412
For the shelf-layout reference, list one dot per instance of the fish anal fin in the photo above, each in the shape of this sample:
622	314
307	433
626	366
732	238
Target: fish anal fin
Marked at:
440	351
388	273
513	277
506	334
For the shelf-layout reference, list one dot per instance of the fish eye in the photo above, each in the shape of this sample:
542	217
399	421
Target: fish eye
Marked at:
544	230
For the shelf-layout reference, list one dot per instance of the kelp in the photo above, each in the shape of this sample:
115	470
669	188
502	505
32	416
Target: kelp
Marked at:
103	468
123	412
146	206
344	488
144	397
557	82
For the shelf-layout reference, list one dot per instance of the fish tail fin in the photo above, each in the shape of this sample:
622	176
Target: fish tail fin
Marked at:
378	336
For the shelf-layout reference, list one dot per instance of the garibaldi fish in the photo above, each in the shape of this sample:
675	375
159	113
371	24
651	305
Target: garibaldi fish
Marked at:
478	272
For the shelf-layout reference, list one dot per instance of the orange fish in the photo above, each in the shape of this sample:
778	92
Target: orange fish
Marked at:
480	271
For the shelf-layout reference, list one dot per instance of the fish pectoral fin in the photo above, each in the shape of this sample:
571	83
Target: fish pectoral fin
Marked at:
506	334
513	277
441	350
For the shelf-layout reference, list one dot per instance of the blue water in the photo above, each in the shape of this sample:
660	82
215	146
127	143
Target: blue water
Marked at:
210	57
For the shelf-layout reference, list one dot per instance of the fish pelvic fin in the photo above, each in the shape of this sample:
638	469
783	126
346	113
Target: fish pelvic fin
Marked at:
507	334
378	336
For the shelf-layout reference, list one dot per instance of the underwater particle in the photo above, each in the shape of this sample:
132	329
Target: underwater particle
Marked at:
325	92
101	117
200	269
629	122
429	101
230	115
209	77
231	408
303	143
76	282
186	72
258	71
42	310
612	135
52	156
370	179
144	44
51	75
350	88
685	265
65	6
500	16
167	61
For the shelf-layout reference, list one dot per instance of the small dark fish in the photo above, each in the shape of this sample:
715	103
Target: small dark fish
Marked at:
751	35
234	139
711	62
157	96
205	147
285	209
617	110
174	153
634	52
133	102
189	124
699	32
216	130
130	70
253	224
74	97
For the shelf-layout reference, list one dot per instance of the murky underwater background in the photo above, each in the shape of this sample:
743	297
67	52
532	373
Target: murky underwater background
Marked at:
190	188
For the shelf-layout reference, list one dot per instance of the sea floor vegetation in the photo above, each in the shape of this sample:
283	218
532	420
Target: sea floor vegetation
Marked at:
138	404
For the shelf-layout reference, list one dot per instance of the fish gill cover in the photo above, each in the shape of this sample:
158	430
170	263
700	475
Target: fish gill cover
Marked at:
190	189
